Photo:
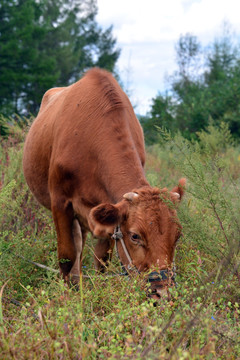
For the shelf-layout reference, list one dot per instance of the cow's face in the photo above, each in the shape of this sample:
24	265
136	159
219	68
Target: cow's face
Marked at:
148	221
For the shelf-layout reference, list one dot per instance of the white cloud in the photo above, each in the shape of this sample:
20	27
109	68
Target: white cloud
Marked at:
141	20
147	31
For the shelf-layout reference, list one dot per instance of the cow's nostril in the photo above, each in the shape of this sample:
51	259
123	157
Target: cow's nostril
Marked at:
163	293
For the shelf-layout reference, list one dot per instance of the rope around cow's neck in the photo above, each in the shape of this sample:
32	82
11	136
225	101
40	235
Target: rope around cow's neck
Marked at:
154	275
117	235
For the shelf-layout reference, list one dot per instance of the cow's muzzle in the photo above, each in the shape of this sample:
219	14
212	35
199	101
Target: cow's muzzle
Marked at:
159	282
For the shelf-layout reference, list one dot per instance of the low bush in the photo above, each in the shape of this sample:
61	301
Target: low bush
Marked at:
110	317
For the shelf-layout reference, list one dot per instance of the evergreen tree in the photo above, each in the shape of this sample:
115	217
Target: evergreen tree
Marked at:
20	62
48	43
161	115
203	91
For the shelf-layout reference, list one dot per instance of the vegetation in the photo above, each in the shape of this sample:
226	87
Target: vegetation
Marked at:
205	90
110	317
48	43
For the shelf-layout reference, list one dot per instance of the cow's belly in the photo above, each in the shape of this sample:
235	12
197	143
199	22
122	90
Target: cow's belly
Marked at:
36	158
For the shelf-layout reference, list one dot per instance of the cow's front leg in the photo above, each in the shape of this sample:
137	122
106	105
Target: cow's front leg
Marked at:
63	216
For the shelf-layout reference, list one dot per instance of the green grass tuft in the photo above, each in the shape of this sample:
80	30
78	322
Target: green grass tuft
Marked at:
110	317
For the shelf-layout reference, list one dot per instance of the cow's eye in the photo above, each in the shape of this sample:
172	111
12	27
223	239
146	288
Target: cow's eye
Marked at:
135	238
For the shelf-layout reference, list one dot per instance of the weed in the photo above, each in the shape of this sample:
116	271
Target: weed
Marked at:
110	317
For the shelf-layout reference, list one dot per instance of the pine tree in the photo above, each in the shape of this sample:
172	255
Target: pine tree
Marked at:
48	43
205	90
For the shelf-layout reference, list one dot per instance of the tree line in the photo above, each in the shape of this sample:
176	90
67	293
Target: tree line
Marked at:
205	90
48	43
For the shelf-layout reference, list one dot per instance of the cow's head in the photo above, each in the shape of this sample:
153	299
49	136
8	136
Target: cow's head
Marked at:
149	226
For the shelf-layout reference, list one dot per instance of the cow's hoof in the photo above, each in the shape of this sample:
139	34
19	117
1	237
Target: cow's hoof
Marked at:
65	266
74	282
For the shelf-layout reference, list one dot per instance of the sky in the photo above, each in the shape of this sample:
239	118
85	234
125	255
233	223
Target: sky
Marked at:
147	32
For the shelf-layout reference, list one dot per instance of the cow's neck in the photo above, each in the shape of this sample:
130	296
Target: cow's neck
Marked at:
122	178
120	168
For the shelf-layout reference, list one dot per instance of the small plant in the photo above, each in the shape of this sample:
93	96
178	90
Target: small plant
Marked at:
110	317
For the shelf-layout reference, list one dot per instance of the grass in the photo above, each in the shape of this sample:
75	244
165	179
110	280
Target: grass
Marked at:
110	317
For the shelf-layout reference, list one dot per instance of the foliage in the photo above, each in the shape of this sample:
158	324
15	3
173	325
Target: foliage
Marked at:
187	56
161	113
45	44
3	126
204	90
212	185
110	317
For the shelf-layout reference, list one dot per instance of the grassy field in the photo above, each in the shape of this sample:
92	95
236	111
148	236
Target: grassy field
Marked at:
110	317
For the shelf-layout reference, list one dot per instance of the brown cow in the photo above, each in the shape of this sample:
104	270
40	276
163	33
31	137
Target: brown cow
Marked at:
84	160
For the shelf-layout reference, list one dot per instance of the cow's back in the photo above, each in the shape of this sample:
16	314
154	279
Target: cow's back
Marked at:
83	131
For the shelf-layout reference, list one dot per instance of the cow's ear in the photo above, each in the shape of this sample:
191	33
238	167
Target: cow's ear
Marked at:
105	217
105	214
178	191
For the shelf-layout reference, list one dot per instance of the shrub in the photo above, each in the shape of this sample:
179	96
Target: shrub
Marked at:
110	317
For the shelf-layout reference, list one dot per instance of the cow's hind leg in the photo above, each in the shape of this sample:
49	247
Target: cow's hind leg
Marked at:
79	236
103	253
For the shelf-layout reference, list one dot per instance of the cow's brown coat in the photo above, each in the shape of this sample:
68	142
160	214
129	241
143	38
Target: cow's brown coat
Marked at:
84	151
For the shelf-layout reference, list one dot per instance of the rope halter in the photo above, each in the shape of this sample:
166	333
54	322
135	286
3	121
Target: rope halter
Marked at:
154	276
